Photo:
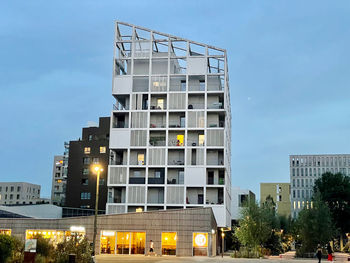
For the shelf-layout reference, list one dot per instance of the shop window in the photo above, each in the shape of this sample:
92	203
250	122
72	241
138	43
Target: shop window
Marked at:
87	150
5	232
169	243
200	244
123	243
138	240
107	242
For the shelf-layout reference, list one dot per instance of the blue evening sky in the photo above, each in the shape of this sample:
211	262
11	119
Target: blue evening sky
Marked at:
288	64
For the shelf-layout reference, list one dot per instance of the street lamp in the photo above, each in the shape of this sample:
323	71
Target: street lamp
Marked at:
222	242
96	168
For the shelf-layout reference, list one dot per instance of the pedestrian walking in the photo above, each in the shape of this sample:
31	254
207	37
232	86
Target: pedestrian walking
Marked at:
330	252
319	253
151	246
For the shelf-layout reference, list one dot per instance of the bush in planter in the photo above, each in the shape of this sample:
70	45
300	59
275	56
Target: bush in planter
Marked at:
6	247
78	246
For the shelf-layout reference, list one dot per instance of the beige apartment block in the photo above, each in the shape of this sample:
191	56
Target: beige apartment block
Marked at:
280	193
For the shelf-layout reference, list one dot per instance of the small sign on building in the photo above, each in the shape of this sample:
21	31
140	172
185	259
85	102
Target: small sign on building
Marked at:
30	245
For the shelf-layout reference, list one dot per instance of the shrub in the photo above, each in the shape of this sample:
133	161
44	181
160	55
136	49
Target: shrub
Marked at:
80	247
6	247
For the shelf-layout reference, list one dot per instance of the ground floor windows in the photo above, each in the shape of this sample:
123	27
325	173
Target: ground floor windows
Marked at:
123	243
108	242
200	244
169	243
55	236
5	232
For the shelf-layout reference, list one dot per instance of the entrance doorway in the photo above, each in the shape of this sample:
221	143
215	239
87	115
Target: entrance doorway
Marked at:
169	243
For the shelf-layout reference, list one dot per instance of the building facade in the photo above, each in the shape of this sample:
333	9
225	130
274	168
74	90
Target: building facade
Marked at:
280	194
91	149
58	189
305	169
12	193
240	198
190	232
170	131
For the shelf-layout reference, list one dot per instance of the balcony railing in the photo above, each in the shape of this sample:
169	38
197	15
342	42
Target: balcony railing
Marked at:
215	105
157	142
176	162
119	106
194	143
192	106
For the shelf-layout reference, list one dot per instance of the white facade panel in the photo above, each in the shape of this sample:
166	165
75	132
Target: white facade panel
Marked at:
122	85
119	138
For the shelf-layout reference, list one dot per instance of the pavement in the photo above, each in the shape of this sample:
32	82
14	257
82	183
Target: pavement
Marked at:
172	259
342	257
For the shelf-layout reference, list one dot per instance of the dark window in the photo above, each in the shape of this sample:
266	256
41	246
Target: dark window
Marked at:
102	181
12	188
17	196
84	181
86	171
86	160
18	188
91	137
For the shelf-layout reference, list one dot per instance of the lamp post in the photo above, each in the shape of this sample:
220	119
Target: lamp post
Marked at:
97	169
222	242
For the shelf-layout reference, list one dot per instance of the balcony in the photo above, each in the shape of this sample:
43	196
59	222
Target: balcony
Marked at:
158	102
195	138
156	176
118	157
155	195
157	138
215	157
194	195
120	120
178	83
176	138
122	103
196	83
216	120
215	101
158	120
137	176
195	101
215	196
138	157
176	157
175	176
177	120
118	195
215	176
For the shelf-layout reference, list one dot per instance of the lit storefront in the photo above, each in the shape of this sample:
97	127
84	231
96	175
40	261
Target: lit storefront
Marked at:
169	243
5	232
55	236
123	243
200	244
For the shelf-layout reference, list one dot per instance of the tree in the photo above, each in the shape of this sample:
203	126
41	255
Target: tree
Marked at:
314	226
334	189
254	230
6	247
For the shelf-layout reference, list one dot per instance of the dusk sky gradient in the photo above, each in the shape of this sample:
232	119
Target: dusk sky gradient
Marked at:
289	67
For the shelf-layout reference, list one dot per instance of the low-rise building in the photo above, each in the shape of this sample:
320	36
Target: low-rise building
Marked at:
12	193
280	194
180	232
240	198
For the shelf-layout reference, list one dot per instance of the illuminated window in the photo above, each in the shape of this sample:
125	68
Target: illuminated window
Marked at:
107	242
123	242
138	242
169	243
160	104
141	159
200	244
201	139
103	149
180	140
87	150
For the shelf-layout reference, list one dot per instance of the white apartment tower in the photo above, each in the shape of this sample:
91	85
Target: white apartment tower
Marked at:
170	126
306	169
